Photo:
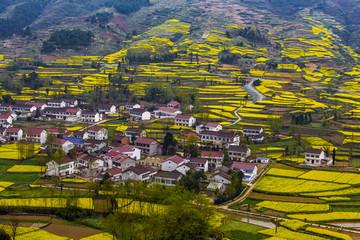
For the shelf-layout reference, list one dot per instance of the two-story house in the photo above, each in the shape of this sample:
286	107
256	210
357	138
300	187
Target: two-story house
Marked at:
239	153
185	120
97	133
66	114
205	126
221	137
140	114
14	134
148	146
316	157
254	133
172	163
6	120
36	135
56	103
215	158
249	170
65	169
91	117
201	164
107	109
129	150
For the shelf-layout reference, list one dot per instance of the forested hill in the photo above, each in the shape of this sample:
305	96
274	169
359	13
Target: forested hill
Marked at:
27	24
16	15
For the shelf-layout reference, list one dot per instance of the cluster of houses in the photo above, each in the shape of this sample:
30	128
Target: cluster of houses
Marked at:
131	155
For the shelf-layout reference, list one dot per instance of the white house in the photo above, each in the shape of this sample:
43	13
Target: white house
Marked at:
65	169
36	135
185	120
172	163
201	164
129	150
184	168
23	108
239	153
167	178
165	112
6	119
249	170
14	134
97	133
107	109
316	157
216	186
66	145
56	103
5	107
222	137
129	106
136	173
204	126
91	117
115	174
66	114
215	158
71	102
220	177
40	106
254	133
140	114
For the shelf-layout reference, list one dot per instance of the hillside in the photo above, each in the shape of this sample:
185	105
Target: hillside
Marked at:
53	15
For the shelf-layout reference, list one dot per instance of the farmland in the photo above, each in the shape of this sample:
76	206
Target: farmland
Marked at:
201	56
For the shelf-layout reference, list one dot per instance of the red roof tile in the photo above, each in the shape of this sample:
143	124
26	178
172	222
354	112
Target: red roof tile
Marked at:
145	140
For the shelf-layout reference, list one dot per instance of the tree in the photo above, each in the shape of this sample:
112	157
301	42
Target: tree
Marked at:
275	124
191	180
169	142
334	155
226	160
14	223
4	235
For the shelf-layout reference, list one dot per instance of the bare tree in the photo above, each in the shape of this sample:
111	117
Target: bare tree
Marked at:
14	224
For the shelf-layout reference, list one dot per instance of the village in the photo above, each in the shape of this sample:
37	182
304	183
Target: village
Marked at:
91	155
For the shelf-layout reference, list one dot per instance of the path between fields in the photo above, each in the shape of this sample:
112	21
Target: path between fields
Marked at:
237	115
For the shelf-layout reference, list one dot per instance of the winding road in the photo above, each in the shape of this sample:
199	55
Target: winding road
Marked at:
252	91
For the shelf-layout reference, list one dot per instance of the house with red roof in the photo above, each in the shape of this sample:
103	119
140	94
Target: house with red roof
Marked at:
166	112
185	120
64	113
129	150
115	174
148	146
5	107
215	158
97	133
36	135
6	119
205	126
173	104
249	170
172	163
14	134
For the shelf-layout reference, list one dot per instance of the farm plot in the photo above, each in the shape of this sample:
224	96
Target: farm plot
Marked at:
26	169
85	203
290	207
327	176
282	185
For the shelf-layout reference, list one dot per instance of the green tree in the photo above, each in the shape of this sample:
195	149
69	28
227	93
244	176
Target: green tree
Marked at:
169	144
191	180
275	124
